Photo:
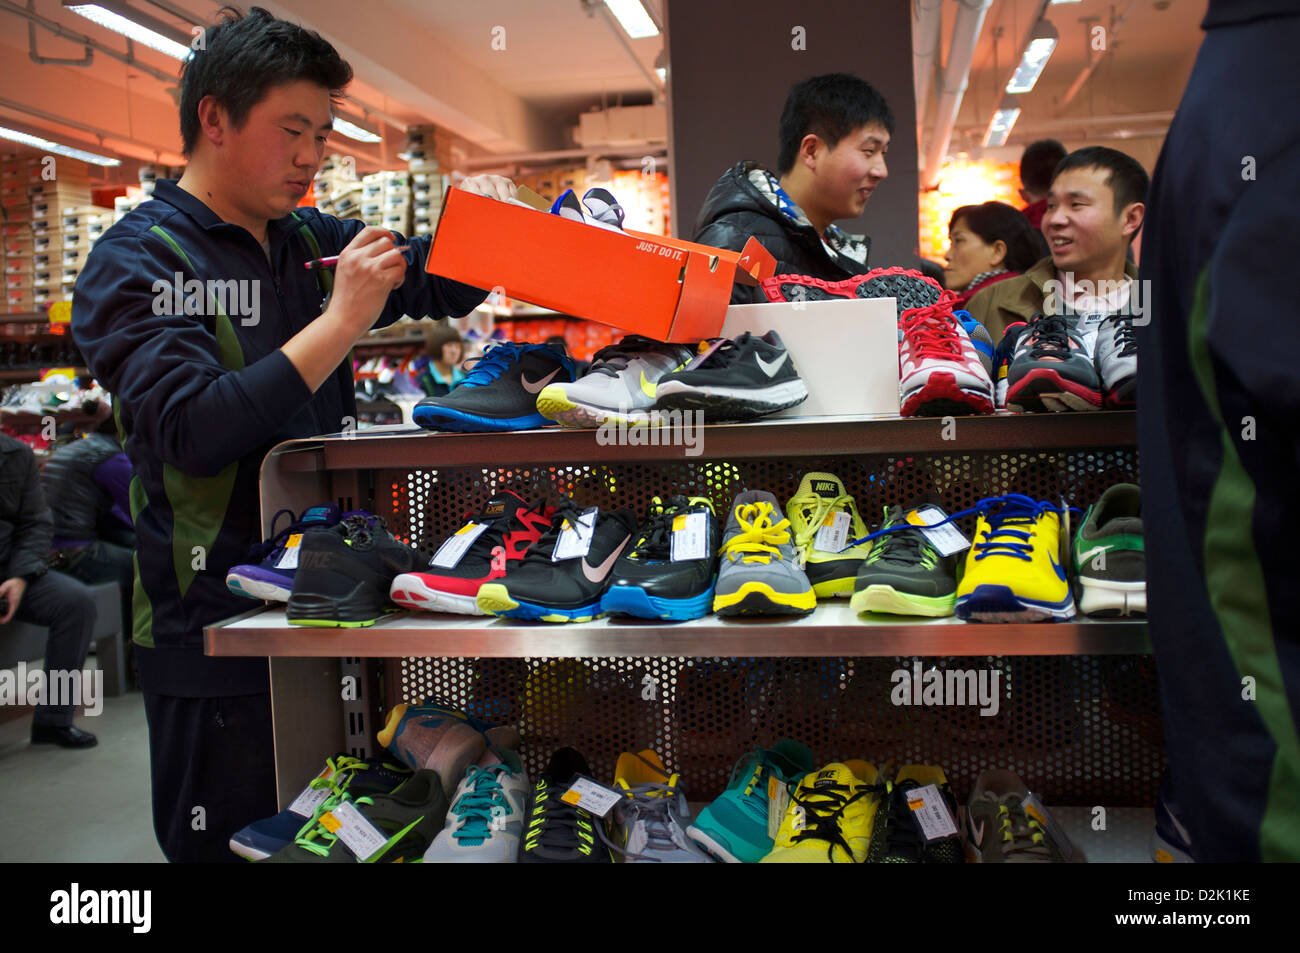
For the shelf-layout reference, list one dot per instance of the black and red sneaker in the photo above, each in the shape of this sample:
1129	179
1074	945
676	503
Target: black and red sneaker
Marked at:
502	534
910	289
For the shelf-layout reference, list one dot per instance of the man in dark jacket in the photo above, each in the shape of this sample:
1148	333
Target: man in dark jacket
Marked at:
30	593
835	132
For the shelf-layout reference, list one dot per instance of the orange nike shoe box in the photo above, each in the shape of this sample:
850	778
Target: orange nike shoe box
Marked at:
663	288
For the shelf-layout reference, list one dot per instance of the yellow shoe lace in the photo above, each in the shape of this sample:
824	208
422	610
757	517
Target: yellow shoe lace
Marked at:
820	506
759	537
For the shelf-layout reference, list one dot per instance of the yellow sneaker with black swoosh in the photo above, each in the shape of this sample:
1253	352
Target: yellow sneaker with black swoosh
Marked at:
830	816
619	387
1015	569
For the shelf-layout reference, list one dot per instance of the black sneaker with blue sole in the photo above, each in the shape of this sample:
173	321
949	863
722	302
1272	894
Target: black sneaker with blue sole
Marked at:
500	392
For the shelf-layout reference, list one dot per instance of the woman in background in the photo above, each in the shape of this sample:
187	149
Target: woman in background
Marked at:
986	244
445	351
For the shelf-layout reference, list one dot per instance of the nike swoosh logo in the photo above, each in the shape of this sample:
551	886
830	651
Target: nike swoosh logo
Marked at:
1055	565
1085	557
535	387
976	833
647	388
771	367
598	573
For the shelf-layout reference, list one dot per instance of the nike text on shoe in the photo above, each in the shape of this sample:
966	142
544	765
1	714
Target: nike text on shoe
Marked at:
1015	569
500	392
910	289
1117	361
619	387
668	572
1052	368
1110	557
743	379
760	570
567	589
502	534
940	372
824	517
486	819
271	565
904	573
558	832
649	824
345	572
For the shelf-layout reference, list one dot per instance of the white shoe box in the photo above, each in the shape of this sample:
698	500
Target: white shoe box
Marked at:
845	350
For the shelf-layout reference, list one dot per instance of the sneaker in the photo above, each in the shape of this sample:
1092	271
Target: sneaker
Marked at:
1052	369
649	824
486	819
904	573
940	372
568	589
759	572
558	832
1170	841
734	827
603	207
510	527
497	735
647	582
1014	569
979	337
1109	555
898	836
830	817
404	824
599	212
269	572
817	504
1117	362
910	289
345	572
743	379
426	737
500	392
260	839
1002	355
620	387
1000	830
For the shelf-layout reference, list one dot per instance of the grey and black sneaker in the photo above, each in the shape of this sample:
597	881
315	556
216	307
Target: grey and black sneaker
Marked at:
743	379
760	571
1052	368
999	829
1117	361
500	392
904	573
910	289
345	573
619	387
648	825
1110	556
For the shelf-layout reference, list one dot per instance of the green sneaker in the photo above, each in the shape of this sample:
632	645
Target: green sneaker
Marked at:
734	827
904	574
1109	556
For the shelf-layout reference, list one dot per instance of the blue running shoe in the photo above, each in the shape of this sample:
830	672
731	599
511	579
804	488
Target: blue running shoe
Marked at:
500	393
269	572
670	571
979	336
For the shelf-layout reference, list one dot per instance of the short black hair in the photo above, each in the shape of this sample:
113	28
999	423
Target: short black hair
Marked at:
992	221
830	107
1038	162
1125	175
245	55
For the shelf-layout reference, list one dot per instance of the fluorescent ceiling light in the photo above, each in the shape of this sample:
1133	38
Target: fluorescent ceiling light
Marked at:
132	27
1003	121
632	17
1035	58
13	135
663	73
350	129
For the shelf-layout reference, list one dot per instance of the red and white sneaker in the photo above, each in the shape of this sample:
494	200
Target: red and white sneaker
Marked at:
910	289
939	370
480	551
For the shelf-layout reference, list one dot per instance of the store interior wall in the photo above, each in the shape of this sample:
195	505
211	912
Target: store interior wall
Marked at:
730	68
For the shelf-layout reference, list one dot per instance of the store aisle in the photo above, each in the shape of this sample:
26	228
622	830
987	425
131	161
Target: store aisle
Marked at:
76	806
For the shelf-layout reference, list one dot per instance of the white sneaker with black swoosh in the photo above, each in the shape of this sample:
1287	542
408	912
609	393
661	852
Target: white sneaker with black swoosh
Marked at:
619	387
500	392
743	379
566	571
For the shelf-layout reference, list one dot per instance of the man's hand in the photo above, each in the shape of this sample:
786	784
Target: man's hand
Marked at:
368	271
493	186
12	590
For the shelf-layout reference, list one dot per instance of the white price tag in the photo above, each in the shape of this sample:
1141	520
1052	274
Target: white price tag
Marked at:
350	826
947	538
289	558
834	532
690	537
778	801
451	552
591	796
575	538
305	804
1037	810
930	811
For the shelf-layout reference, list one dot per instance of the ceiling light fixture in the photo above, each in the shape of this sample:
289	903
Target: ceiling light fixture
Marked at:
58	148
632	17
1003	121
133	25
351	129
1034	60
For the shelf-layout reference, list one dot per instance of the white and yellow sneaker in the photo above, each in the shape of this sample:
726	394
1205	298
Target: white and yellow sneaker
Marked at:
824	517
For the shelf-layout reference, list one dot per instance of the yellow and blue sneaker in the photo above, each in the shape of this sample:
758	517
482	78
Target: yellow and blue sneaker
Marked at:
815	514
1014	569
830	816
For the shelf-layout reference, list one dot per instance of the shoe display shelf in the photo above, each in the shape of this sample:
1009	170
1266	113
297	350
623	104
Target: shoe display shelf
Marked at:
1077	714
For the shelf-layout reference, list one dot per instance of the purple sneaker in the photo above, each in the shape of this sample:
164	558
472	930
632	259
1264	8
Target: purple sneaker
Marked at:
268	574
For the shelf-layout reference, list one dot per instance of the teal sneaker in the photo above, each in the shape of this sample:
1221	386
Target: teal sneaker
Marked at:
734	827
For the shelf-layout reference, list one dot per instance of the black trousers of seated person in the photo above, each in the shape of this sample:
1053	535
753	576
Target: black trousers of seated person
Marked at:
67	608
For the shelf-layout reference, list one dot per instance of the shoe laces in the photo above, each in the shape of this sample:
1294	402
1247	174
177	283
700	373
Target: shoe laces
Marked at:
484	799
359	527
656	539
1011	529
824	808
651	804
1048	335
1020	832
814	509
262	550
1125	337
498	358
903	548
933	331
759	537
539	552
554	823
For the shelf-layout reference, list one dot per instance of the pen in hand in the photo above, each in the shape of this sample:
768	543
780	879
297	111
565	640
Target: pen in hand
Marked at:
330	261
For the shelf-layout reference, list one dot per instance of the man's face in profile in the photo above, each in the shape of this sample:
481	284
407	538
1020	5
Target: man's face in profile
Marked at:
847	175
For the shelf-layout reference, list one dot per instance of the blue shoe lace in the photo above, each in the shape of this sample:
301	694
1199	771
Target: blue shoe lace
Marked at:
269	547
1016	509
483	800
498	358
1012	527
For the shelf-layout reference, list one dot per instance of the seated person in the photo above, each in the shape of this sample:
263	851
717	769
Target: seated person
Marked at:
1037	163
834	133
1094	210
445	351
988	243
